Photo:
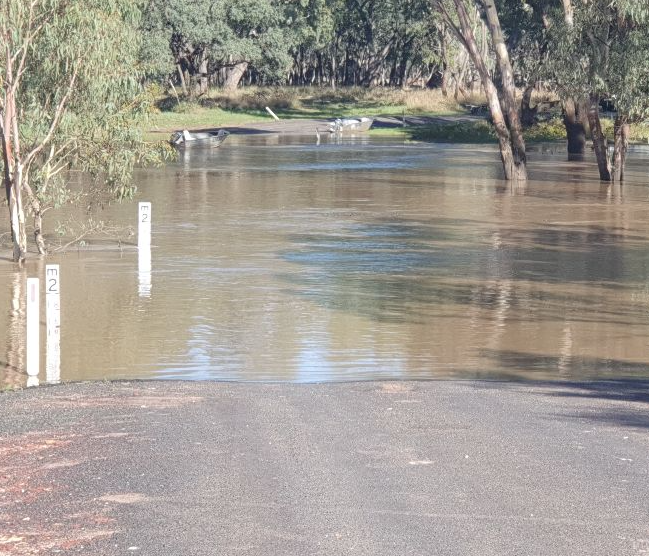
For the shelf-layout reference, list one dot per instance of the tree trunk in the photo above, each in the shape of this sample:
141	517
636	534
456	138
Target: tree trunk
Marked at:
13	174
234	76
508	88
575	120
599	140
17	220
512	149
513	166
183	83
38	226
620	147
568	12
445	63
203	82
528	114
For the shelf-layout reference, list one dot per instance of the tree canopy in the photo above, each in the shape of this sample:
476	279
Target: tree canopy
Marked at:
204	37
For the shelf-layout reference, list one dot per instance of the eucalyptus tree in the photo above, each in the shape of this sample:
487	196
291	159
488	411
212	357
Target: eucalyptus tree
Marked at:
206	36
362	42
524	28
385	40
68	94
501	97
314	40
602	51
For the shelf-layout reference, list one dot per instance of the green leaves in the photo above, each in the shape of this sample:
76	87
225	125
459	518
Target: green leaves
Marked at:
605	53
80	91
223	32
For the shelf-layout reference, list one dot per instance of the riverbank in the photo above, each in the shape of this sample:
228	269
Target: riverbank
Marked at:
383	125
199	468
417	115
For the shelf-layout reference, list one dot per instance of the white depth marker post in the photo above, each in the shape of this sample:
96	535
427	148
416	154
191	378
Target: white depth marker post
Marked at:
144	249
272	114
144	225
33	324
53	322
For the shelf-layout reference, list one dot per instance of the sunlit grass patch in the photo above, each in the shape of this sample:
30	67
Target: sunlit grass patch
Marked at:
248	105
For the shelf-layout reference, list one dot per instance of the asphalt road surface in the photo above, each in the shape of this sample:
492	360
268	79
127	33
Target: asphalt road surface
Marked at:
396	468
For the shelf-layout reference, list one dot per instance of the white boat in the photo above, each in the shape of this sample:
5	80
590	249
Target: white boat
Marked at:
210	139
347	125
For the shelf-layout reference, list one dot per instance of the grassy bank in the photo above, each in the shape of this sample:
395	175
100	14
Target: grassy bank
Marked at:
248	105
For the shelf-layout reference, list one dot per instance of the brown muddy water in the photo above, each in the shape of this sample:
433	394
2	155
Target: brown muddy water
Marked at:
275	259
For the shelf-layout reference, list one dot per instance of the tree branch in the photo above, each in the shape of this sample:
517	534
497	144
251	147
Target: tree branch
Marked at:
55	121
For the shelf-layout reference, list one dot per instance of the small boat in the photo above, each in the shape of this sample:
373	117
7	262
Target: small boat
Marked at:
211	139
347	125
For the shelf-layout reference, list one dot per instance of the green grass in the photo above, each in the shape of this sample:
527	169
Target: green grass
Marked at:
188	116
248	105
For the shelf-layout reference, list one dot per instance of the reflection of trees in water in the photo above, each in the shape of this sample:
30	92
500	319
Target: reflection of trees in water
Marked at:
14	369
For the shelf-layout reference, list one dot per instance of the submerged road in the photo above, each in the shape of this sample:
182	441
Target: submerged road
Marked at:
411	468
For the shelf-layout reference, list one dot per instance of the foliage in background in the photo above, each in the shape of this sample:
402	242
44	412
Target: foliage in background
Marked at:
200	38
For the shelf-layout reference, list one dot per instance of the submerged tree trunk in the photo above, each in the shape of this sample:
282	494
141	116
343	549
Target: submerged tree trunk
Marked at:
599	140
508	90
620	148
234	76
508	131
575	120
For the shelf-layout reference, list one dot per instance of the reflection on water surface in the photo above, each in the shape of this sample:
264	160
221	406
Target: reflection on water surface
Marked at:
276	259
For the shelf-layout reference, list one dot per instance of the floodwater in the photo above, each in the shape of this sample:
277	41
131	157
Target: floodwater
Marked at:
276	259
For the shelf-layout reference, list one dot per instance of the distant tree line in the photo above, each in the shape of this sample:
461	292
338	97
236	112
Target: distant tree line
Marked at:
296	42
